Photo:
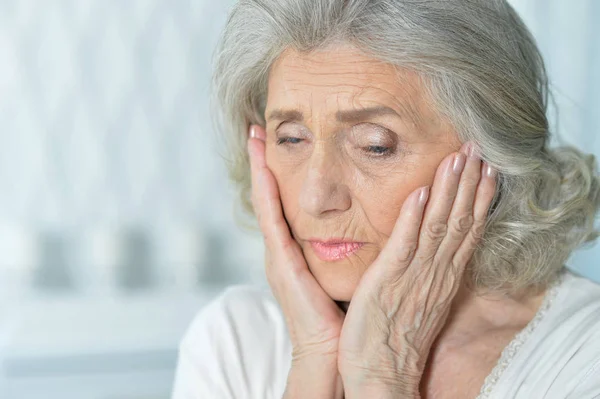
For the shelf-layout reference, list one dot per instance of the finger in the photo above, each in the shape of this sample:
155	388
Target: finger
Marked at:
461	216
443	193
402	244
483	200
265	196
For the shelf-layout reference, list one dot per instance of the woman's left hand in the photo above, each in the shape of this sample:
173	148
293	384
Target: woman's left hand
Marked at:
402	301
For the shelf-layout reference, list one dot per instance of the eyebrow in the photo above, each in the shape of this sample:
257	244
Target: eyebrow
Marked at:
286	114
365	113
354	115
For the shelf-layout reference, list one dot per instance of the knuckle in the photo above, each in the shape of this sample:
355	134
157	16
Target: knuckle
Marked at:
405	253
478	230
436	230
455	269
462	224
288	245
269	236
428	258
471	182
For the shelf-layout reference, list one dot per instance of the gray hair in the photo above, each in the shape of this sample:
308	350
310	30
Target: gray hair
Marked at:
485	74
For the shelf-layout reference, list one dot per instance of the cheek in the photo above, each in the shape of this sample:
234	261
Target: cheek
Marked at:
378	193
289	183
382	198
382	206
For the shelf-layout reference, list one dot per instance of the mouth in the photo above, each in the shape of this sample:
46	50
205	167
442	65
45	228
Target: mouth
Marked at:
334	250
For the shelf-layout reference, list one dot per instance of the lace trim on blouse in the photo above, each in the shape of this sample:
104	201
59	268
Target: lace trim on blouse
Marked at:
510	351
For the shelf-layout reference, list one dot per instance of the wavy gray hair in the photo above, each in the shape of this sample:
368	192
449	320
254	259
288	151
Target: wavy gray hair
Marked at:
486	76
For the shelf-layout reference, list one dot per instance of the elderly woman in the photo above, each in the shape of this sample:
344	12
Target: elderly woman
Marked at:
416	224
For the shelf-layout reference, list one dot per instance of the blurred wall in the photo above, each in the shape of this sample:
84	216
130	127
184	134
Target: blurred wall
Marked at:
116	217
105	138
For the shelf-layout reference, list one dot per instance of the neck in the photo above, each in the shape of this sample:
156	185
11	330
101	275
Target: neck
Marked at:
473	314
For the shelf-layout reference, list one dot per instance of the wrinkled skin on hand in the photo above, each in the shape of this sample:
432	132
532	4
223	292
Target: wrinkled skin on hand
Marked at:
404	298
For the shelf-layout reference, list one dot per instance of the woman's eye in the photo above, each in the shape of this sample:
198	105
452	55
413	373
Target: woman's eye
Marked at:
291	140
378	149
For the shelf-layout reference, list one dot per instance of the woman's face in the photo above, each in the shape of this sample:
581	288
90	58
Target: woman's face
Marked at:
348	139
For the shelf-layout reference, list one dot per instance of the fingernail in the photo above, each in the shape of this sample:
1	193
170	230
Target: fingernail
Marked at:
465	147
257	134
490	172
473	150
253	131
423	195
459	163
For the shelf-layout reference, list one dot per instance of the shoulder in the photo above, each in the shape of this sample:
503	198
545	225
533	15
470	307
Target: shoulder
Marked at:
244	310
237	343
572	317
576	304
562	355
581	287
574	323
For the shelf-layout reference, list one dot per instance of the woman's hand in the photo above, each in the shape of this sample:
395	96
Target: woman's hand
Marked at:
313	319
402	301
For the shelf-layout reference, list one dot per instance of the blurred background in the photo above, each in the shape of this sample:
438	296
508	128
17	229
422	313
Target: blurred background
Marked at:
116	216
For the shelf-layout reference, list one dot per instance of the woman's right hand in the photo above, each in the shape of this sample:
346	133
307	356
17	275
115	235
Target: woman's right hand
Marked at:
313	319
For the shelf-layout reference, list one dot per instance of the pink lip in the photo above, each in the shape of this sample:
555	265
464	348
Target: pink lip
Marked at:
333	250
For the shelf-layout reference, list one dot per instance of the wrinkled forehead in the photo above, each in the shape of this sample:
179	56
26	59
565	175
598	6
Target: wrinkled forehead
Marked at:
342	78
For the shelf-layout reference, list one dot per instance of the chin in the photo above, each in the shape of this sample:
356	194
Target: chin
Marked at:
338	279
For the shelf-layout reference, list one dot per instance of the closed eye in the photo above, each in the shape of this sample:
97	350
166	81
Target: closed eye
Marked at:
378	149
291	140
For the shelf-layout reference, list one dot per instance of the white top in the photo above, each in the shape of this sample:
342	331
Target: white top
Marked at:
238	347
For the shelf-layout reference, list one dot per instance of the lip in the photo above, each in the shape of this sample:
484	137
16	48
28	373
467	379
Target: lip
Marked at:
334	249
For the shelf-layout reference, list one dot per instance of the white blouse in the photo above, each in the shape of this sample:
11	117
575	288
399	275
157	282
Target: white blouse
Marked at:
238	347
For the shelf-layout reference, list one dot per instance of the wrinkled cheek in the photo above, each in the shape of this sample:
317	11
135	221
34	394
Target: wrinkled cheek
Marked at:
289	193
364	258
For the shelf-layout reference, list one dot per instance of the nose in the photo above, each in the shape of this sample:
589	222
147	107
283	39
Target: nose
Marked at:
324	192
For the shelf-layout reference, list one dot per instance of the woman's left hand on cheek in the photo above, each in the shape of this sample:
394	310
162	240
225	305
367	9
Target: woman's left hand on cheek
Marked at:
402	301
